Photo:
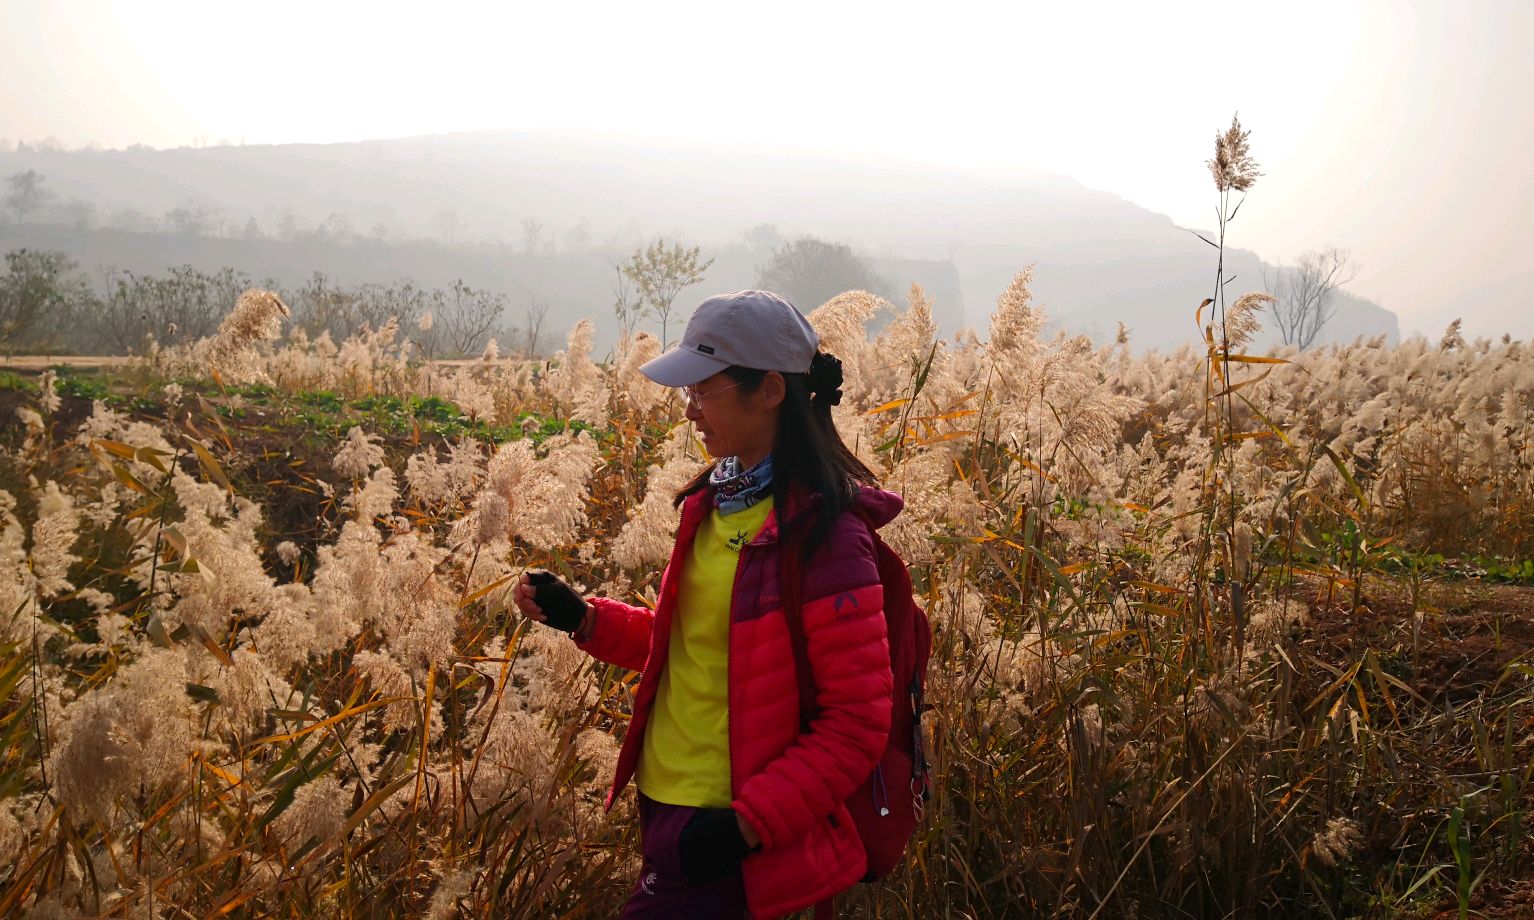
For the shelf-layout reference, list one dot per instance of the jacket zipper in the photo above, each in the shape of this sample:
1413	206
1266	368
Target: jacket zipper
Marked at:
729	670
675	569
729	659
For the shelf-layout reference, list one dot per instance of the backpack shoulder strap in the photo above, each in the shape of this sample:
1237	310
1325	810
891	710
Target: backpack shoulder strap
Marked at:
792	591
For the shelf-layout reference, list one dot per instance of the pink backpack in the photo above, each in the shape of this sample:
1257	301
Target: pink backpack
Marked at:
889	804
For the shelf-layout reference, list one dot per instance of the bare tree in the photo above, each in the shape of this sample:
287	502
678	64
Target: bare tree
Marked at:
466	316
578	237
322	306
26	193
660	273
627	304
532	327
1303	295
39	290
532	235
183	305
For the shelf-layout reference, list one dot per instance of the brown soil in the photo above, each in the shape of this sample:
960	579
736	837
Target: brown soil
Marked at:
1469	632
1497	901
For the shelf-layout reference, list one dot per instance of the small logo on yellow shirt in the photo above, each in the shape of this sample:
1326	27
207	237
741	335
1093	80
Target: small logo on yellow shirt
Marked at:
738	541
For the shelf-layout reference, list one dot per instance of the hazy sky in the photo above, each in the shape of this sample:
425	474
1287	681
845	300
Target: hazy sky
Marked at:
1399	130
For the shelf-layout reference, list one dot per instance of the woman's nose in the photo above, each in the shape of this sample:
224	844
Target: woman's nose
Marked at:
691	411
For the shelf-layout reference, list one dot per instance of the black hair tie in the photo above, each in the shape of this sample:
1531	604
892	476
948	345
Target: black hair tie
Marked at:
825	379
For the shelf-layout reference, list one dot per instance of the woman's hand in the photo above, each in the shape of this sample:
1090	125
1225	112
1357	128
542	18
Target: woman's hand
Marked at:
542	597
712	844
525	597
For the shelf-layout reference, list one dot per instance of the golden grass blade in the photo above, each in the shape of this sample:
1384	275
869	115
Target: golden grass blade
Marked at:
333	720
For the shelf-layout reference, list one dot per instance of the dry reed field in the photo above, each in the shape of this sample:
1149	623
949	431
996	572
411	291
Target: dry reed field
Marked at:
1217	634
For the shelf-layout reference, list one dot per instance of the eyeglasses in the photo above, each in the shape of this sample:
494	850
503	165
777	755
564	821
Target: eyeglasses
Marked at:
693	395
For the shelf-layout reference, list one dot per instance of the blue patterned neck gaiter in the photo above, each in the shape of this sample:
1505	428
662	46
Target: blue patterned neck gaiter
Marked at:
736	489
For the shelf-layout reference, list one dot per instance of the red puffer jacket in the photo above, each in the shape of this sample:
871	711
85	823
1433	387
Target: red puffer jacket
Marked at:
788	786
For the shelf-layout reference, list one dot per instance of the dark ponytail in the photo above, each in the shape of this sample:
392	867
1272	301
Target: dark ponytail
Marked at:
808	448
825	381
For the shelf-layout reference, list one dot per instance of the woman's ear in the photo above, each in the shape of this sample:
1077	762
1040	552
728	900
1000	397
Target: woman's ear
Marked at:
773	390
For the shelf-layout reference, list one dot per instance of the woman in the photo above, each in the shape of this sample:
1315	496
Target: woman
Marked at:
740	804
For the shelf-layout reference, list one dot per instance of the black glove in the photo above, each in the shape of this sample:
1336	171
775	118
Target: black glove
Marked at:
564	609
711	845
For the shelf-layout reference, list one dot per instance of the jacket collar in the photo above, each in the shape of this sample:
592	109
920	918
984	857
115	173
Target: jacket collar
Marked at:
800	501
880	506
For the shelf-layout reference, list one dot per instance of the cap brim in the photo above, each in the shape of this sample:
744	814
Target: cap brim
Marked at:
681	367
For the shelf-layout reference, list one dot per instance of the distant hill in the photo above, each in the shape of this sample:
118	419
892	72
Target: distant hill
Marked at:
543	216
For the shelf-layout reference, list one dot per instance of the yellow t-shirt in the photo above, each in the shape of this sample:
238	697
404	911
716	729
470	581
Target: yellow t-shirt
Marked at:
686	754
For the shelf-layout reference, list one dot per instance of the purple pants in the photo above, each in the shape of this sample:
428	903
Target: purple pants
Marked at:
661	893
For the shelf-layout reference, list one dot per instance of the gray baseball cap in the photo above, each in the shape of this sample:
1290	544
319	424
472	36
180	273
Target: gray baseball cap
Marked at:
756	329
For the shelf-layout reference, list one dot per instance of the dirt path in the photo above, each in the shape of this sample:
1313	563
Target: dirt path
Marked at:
43	362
